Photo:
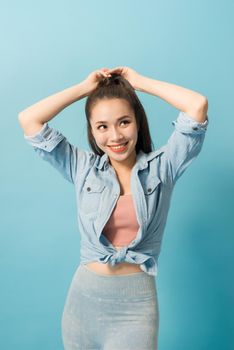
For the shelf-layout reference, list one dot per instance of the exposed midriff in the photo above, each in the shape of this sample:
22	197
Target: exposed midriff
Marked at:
119	269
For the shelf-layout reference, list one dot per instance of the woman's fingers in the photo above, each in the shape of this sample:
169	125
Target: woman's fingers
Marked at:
104	74
114	70
118	70
105	71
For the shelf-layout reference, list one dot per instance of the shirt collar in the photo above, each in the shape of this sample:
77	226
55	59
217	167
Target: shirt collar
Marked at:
142	158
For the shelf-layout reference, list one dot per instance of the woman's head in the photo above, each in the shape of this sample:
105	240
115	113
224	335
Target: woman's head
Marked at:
115	98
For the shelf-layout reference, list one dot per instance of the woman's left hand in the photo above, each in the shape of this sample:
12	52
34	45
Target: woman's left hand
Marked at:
128	73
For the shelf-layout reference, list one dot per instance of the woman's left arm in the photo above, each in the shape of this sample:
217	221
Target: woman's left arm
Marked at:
188	101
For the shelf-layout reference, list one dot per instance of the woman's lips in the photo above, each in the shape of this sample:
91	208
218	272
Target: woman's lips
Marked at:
119	149
120	144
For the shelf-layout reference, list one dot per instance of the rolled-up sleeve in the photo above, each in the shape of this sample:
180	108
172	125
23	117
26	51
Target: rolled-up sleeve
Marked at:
184	144
53	147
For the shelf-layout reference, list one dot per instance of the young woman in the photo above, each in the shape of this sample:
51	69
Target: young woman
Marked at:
123	190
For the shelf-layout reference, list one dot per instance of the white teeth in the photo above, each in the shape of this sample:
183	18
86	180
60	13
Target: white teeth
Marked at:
116	147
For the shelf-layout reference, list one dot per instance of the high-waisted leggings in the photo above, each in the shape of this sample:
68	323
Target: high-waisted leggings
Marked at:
110	312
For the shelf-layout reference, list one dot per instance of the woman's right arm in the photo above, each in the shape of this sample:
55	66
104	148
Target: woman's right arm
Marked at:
32	118
50	144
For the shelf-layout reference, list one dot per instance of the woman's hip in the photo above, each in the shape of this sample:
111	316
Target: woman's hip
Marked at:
111	309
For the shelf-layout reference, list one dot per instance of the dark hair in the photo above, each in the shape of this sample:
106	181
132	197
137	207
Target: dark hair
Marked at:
118	87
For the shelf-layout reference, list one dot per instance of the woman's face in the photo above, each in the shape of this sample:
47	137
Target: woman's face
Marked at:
113	123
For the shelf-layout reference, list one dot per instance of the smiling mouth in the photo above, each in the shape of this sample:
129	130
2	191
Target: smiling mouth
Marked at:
119	145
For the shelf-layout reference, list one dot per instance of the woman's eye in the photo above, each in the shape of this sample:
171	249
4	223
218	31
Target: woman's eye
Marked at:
100	126
123	121
126	121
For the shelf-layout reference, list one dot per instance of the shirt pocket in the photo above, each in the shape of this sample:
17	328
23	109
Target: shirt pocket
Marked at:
91	197
150	185
152	190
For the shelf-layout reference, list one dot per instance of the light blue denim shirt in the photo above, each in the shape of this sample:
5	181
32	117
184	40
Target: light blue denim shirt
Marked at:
97	189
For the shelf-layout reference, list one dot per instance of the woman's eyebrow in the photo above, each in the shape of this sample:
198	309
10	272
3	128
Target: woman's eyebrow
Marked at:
124	116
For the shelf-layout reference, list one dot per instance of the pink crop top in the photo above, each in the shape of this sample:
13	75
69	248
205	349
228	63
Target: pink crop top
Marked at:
122	226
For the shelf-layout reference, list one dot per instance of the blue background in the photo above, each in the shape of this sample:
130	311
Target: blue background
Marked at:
49	46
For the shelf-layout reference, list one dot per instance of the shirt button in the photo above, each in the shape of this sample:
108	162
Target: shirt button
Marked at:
45	146
195	128
88	189
149	189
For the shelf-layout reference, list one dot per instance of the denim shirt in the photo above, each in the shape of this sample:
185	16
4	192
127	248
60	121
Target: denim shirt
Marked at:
153	178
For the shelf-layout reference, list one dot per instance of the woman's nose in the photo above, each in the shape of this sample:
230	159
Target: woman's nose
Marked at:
116	135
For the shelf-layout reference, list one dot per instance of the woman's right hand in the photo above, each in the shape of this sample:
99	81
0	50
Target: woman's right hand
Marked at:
93	78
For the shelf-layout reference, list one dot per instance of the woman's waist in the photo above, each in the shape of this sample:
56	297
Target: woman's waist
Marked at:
118	269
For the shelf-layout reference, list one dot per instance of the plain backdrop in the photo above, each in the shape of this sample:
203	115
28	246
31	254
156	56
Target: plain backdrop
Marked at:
47	46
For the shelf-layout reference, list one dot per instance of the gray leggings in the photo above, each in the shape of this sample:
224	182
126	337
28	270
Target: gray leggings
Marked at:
110	312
